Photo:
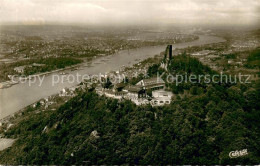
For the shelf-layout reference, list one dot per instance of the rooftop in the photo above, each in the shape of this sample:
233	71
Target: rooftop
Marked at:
151	81
133	88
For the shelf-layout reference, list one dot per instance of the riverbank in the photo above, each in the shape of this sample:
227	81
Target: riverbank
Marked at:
21	95
17	79
8	83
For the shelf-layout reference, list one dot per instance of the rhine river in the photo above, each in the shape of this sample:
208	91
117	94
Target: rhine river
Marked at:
21	95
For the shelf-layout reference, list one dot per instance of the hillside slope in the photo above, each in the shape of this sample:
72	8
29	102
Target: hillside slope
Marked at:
89	129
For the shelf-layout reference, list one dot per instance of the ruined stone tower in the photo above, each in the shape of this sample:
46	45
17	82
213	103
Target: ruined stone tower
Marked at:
167	57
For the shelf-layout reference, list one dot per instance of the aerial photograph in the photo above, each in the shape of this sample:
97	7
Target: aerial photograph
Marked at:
129	82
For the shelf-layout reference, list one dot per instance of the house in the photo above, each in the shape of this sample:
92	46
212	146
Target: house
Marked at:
152	83
239	63
94	134
230	61
203	53
161	97
19	69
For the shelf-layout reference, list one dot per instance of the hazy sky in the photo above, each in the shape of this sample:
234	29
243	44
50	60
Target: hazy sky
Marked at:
127	12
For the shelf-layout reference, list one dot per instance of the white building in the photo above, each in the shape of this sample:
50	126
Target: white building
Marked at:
161	97
114	94
19	69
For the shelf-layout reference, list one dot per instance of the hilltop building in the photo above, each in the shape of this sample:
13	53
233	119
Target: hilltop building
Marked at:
148	90
152	83
135	92
161	97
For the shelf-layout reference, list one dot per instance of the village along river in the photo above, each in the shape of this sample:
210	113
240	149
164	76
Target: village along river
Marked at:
21	95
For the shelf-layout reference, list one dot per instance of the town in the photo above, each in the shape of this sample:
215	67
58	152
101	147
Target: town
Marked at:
25	52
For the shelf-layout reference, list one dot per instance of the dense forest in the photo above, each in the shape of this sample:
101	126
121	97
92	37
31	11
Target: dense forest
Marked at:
253	60
199	128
